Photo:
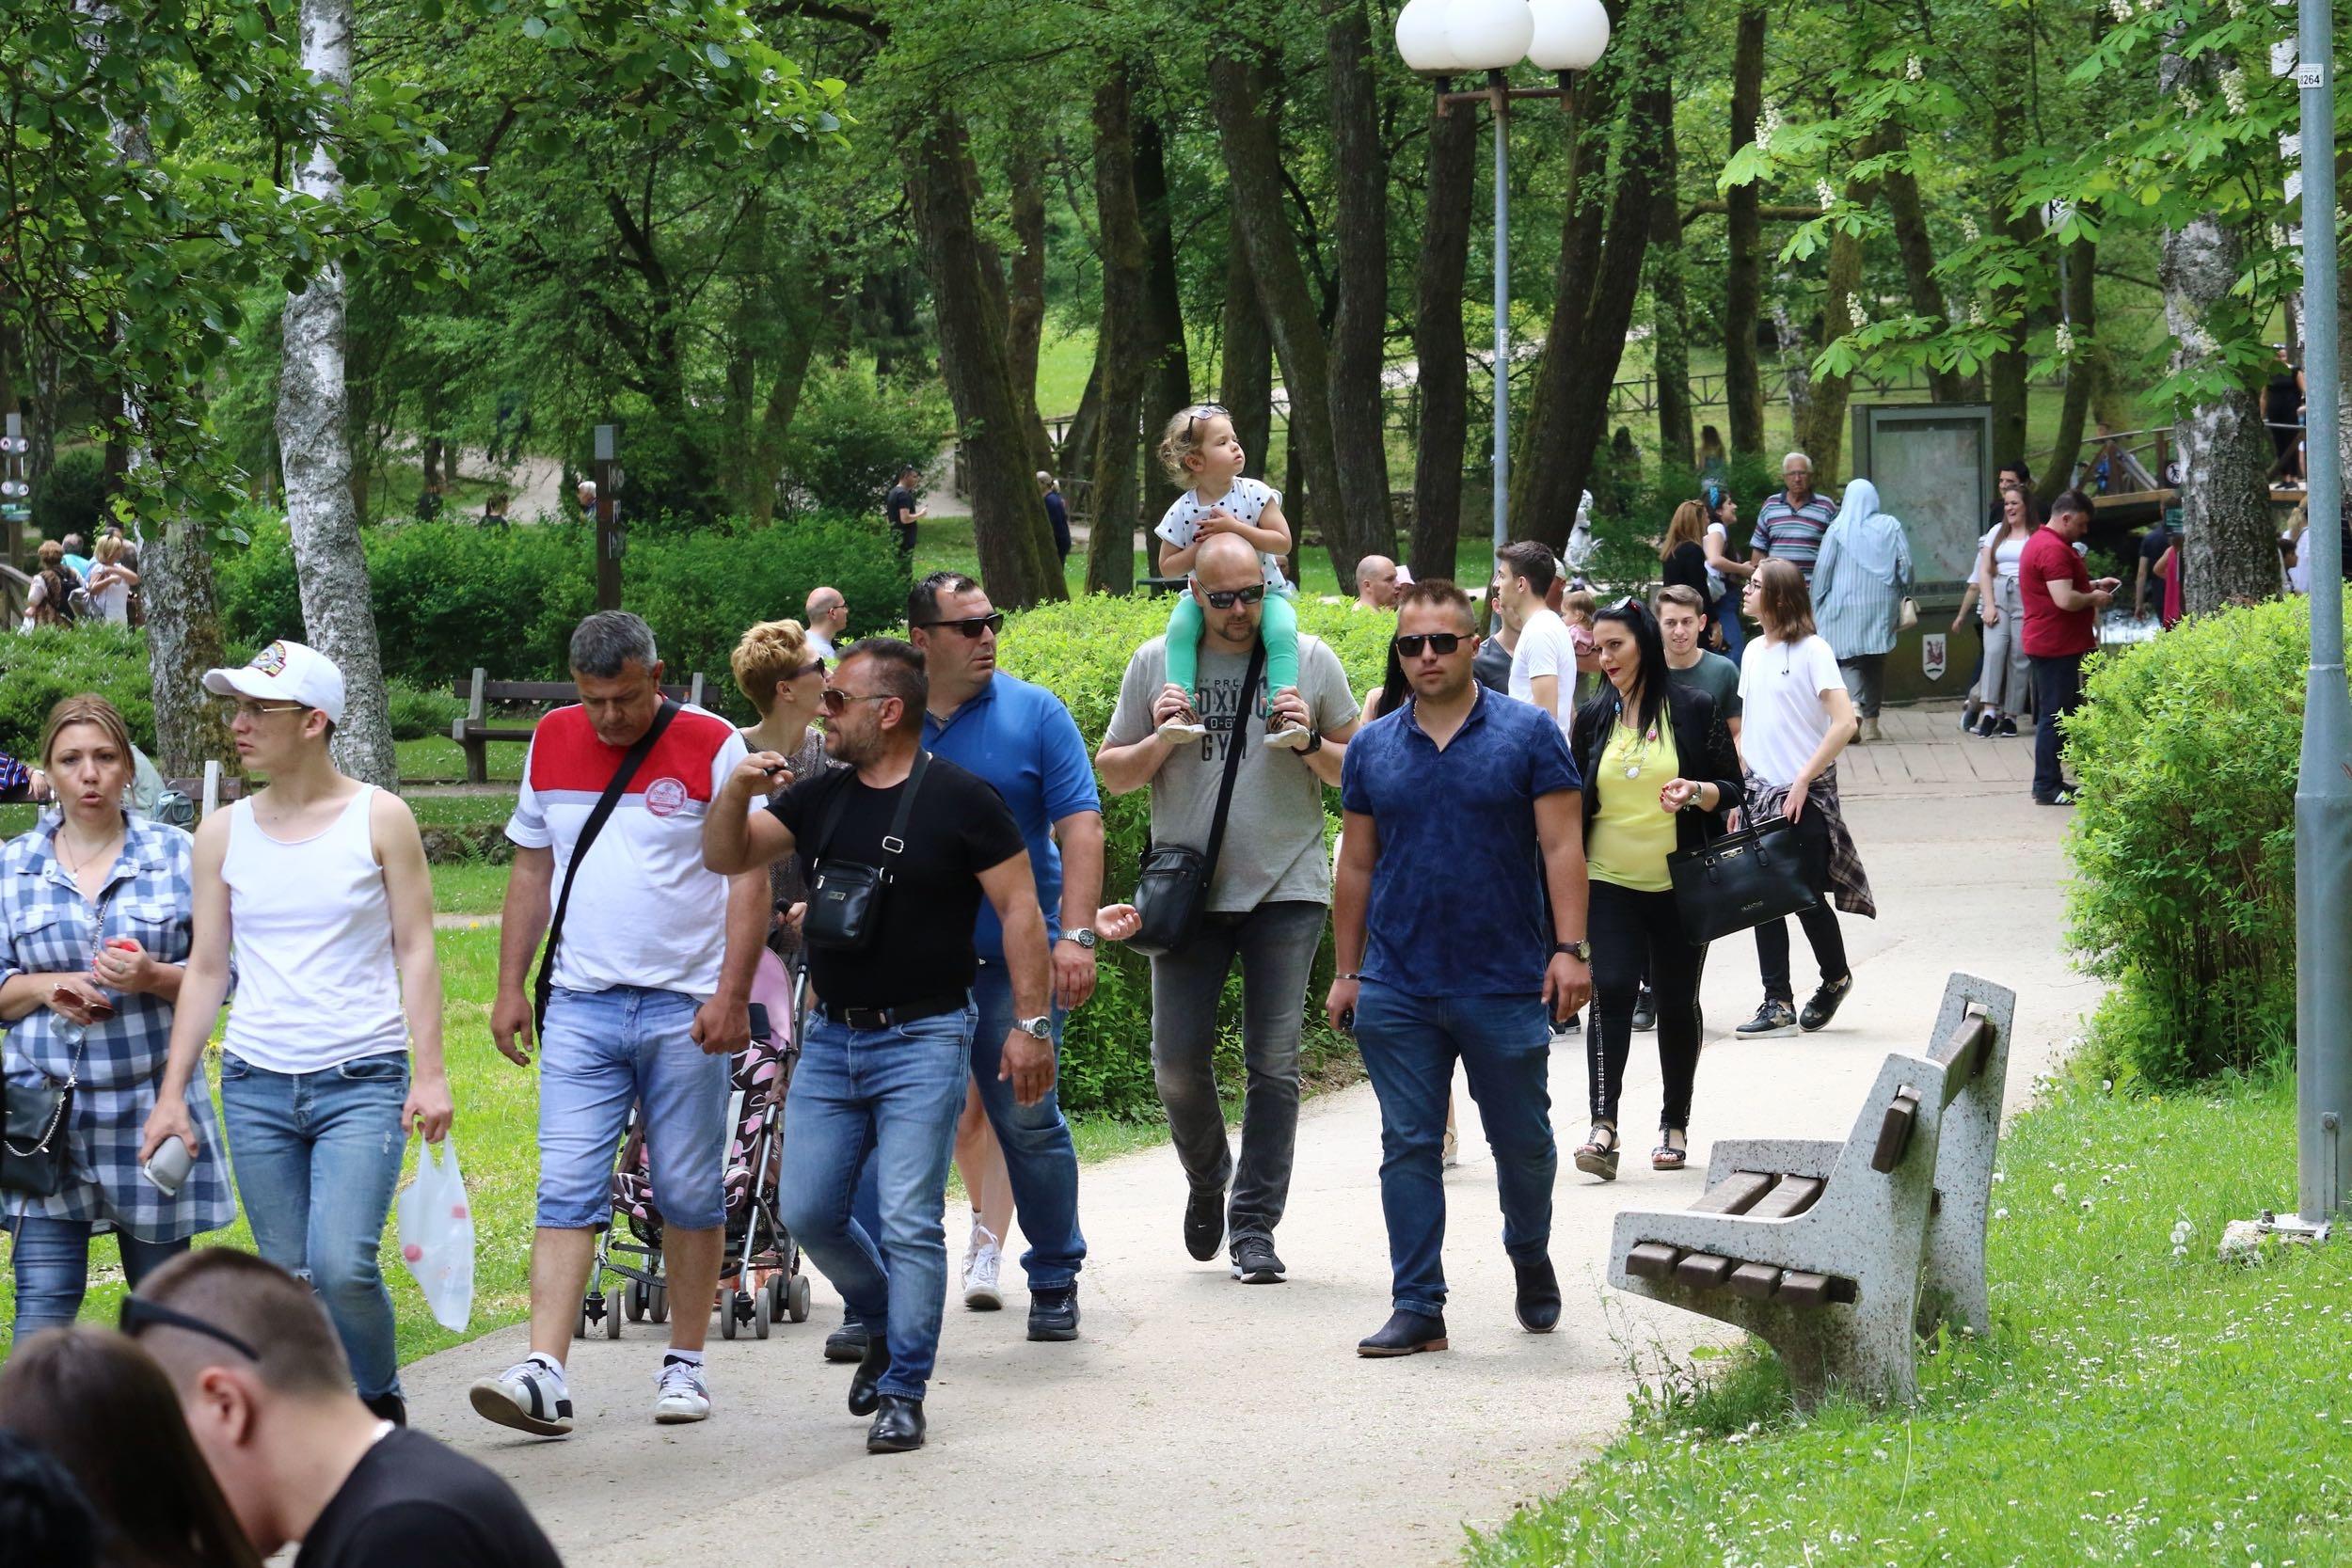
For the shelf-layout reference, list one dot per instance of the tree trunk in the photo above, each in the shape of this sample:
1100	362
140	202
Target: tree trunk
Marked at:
1025	299
2083	371
1361	523
1009	529
1168	381
1901	190
1238	94
331	569
1437	343
1124	337
1743	273
2004	376
1822	435
1077	456
1245	371
184	641
1670	320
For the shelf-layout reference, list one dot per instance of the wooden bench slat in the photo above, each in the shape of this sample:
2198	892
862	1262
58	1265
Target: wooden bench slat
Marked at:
1652	1260
1735	1194
1755	1281
1800	1288
1703	1271
1962	1052
1902	1114
1791	1195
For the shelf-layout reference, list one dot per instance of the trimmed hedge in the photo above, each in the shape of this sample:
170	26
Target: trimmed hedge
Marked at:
42	668
2184	845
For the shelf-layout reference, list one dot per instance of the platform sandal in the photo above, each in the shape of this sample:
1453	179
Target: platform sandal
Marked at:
1597	1157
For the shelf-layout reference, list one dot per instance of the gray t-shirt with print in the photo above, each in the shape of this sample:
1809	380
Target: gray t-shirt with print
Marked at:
1274	850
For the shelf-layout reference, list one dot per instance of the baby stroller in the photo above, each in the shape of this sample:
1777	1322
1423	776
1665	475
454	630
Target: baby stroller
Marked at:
760	1280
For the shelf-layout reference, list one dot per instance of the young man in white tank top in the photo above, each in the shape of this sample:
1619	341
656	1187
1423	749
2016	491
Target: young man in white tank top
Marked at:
318	885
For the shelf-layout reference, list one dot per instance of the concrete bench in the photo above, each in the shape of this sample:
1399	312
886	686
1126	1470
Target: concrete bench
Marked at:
1837	1253
477	729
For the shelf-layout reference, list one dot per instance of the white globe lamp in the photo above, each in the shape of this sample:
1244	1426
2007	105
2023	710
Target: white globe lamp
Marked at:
1490	34
1420	38
1568	34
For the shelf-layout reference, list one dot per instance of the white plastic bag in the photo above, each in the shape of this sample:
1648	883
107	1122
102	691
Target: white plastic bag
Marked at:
437	1235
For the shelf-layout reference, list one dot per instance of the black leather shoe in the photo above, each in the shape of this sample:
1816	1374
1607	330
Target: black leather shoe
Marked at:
847	1343
1405	1333
1054	1314
387	1407
1824	1004
1644	1011
1204	1224
1538	1304
869	1371
898	1429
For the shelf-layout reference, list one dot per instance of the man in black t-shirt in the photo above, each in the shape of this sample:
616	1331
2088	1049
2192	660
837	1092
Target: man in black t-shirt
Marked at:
899	509
267	1393
888	1045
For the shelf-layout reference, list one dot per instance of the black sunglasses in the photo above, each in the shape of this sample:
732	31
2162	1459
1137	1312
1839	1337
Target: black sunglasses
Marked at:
971	626
1438	643
1227	599
138	1313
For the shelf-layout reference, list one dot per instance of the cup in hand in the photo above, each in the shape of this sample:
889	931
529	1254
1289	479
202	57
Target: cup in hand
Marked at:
169	1165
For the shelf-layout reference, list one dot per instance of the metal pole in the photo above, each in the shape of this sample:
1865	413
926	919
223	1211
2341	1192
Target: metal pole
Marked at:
1499	84
608	523
2323	795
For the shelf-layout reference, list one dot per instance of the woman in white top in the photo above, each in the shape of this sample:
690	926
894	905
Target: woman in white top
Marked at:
1727	574
2004	691
1795	717
111	582
319	885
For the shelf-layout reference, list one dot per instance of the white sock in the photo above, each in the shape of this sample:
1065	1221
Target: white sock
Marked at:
550	1363
686	1357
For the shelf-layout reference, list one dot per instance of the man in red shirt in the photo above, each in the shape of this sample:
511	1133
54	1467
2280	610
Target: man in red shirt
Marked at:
2063	607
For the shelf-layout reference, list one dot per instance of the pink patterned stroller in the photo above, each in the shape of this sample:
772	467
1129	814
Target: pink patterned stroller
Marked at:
760	1280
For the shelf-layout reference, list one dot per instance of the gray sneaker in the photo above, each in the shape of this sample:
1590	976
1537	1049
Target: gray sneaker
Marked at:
1254	1262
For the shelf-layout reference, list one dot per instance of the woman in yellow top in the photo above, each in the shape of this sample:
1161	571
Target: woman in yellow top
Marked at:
1659	771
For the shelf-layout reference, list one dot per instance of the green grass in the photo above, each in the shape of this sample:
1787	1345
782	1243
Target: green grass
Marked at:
2131	1404
438	759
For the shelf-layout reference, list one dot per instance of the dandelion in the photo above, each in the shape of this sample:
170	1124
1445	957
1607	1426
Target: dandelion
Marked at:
2085	1206
2182	1231
2233	90
1912	70
2000	1213
2058	1189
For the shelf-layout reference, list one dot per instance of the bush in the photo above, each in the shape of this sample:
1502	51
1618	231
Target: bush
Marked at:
2183	844
418	712
853	435
38	669
72	497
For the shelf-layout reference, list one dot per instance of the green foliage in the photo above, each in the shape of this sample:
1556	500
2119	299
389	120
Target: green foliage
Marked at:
853	433
71	497
418	712
41	668
2183	844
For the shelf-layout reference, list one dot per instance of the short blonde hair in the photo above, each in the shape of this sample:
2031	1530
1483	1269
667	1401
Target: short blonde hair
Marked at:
109	549
1578	604
1182	438
769	653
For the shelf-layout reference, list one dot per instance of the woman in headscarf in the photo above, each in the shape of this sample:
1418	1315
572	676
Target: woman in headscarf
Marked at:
1859	581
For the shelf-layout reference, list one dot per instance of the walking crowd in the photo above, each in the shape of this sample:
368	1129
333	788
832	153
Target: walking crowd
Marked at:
930	867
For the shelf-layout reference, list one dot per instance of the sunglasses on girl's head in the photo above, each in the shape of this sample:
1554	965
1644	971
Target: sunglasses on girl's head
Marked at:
1229	597
1203	411
1438	643
971	626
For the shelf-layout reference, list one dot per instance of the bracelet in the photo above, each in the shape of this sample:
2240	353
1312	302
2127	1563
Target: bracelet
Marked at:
1351	975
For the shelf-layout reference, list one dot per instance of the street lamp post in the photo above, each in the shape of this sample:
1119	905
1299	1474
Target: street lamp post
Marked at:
1438	37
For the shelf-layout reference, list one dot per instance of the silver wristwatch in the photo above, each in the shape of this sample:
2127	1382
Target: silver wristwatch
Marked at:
1040	1027
1083	936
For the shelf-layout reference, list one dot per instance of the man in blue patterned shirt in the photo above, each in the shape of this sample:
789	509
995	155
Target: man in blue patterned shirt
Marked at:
1789	524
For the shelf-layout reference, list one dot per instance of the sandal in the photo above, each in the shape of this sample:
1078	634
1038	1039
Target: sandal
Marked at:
1667	1155
1597	1154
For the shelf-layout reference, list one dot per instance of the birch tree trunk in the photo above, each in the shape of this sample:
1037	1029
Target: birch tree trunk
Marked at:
331	570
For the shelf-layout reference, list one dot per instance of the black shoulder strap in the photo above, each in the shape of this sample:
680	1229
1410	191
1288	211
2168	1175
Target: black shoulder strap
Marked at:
1240	738
588	832
895	840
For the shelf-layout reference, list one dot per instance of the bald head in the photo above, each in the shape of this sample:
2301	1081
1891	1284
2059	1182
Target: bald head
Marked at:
1375	582
1222	556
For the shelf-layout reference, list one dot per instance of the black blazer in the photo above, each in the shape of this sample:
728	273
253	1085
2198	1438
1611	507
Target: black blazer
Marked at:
1702	744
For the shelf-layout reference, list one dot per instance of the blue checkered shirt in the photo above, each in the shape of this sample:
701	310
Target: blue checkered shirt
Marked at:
47	926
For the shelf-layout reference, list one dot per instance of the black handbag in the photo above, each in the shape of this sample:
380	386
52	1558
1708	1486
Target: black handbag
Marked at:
1172	885
1739	880
33	1134
544	986
845	897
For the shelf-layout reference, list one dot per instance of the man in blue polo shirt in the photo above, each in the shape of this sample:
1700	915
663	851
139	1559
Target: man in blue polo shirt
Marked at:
1458	789
1022	739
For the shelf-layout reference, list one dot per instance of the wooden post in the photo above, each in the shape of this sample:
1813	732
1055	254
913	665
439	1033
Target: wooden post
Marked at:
15	494
609	539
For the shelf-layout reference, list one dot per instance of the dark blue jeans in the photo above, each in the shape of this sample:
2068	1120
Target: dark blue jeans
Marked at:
2057	691
1410	1044
51	1261
1038	1155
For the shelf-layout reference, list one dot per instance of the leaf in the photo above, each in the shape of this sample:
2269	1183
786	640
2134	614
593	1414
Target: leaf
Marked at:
719	57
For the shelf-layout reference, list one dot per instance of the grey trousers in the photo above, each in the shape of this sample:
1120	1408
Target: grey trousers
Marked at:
1276	943
2006	684
1866	681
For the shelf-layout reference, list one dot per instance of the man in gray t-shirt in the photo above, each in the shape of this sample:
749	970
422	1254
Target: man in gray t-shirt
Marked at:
1268	894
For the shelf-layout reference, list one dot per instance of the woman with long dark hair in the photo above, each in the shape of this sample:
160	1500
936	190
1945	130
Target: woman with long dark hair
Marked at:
1659	771
1727	572
100	1407
2004	688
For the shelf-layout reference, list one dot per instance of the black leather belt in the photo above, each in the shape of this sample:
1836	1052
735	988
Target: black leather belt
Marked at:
890	1018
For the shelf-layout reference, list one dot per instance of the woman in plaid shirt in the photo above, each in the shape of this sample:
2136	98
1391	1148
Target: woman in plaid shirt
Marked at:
94	920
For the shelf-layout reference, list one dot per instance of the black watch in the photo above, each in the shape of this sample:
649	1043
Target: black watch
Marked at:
1581	951
1314	743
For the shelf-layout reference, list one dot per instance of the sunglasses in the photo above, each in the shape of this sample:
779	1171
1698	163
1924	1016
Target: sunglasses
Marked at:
1203	411
837	701
138	1313
971	626
1227	599
1438	643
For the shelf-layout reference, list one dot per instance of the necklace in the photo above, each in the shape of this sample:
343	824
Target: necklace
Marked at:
1640	751
77	863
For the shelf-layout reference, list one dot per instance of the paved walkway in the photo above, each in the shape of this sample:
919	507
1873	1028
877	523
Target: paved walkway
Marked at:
1199	1420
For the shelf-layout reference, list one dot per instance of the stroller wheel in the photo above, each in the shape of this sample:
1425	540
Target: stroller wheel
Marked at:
726	1315
610	1311
634	1304
581	1330
763	1313
658	1307
796	1299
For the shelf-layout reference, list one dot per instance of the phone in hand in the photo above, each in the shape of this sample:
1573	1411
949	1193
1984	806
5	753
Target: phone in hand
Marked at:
1347	1020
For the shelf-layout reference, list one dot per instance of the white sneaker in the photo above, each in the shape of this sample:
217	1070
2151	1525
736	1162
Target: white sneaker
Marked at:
529	1396
1183	730
680	1395
983	1259
1290	737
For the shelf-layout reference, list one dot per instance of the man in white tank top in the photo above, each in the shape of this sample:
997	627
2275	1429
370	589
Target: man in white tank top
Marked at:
318	885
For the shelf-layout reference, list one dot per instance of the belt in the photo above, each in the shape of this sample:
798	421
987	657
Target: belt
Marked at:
890	1018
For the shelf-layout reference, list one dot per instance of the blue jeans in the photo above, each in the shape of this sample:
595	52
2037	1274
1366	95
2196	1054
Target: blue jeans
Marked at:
2057	691
1409	1045
1038	1155
316	1156
603	1052
51	1260
1728	617
893	1094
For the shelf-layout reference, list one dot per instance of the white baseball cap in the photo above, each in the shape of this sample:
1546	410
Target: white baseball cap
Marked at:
284	672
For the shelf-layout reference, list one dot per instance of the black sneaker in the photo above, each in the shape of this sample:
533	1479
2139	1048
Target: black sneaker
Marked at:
1204	1224
1772	1020
2008	730
2063	798
1644	1011
1054	1314
1567	1025
387	1407
1823	1006
847	1343
1254	1262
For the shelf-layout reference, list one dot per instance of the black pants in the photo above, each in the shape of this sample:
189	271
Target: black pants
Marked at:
1820	922
1632	934
2057	691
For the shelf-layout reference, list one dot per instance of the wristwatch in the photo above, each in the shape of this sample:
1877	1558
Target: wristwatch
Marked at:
1314	743
1040	1027
1581	950
1082	935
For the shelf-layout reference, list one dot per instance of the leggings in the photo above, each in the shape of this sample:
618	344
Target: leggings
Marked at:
1631	931
1277	630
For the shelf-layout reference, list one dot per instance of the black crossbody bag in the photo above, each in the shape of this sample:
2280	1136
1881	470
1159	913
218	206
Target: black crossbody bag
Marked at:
1172	887
845	897
544	986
